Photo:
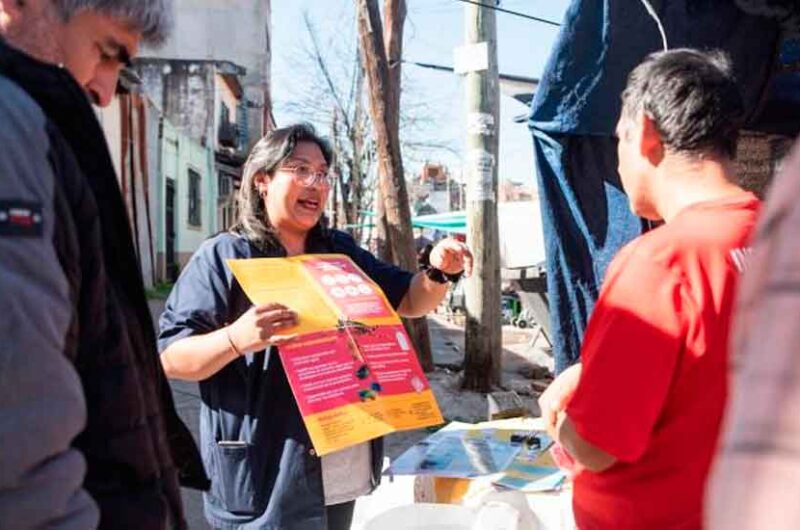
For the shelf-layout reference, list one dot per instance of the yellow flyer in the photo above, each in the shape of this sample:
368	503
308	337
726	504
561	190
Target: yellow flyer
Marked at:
352	367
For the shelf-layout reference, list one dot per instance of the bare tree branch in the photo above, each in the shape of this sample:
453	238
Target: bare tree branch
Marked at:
323	68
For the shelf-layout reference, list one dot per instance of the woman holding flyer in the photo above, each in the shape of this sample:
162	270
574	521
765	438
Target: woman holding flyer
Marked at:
265	473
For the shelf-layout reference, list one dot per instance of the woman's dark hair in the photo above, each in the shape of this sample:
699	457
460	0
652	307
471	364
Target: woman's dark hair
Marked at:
692	98
267	155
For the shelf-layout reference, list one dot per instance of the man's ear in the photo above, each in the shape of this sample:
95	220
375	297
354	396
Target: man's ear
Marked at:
5	15
650	144
9	10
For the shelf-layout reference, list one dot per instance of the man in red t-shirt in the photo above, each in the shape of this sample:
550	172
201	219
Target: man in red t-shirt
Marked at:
641	413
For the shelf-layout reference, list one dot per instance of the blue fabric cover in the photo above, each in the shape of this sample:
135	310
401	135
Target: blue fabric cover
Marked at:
586	216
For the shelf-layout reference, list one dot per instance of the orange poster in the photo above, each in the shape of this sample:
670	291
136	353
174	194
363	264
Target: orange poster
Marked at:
352	367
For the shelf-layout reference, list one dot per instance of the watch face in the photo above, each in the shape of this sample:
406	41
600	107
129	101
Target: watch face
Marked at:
435	275
454	277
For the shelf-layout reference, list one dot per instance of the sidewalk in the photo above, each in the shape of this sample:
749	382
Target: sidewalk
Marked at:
187	402
522	365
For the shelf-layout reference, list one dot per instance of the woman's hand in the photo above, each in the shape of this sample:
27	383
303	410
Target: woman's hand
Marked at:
260	326
451	257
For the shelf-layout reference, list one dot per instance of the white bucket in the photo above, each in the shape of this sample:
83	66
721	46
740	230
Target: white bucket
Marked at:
423	516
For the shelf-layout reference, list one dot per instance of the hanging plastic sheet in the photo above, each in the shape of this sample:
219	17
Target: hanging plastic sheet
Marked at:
585	213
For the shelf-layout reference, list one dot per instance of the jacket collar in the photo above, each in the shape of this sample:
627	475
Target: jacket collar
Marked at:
28	71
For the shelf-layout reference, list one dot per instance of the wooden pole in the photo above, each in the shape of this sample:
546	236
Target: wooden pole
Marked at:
392	183
483	343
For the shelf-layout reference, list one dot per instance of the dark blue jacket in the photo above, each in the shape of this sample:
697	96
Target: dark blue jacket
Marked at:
41	397
136	447
273	480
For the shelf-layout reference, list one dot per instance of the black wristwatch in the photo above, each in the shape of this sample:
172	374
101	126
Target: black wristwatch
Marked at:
440	276
434	274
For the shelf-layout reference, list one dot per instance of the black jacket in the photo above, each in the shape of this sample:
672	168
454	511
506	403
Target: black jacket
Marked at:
135	445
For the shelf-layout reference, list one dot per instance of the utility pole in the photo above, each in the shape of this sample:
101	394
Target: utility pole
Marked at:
478	61
384	110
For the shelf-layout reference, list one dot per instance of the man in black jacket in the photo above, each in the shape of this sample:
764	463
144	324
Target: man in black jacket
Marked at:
70	273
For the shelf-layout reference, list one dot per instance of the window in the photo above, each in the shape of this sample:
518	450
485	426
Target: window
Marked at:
224	113
195	217
224	184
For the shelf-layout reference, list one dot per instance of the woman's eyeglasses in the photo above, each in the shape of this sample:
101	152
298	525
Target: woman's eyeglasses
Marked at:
304	175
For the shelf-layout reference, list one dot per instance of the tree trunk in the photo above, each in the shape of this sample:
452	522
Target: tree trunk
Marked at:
357	141
395	16
383	247
337	172
390	164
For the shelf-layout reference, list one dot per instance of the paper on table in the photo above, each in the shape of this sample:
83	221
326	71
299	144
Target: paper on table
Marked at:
460	451
533	471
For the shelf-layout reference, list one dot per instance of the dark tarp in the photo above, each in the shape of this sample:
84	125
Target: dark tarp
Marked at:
586	217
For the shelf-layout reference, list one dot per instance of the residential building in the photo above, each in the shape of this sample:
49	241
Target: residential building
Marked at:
510	191
180	127
204	100
235	31
167	180
435	190
189	213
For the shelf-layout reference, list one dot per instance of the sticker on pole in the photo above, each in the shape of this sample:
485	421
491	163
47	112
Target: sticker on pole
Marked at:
471	58
480	168
480	123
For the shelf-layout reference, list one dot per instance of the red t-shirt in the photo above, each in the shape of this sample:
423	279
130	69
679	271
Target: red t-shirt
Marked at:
653	385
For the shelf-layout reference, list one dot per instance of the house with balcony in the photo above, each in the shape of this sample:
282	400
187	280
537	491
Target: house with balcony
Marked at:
203	147
177	133
184	118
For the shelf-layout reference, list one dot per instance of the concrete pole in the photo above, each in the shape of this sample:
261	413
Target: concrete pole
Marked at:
483	342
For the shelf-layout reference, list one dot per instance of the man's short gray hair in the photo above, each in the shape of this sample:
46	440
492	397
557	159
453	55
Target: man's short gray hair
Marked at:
152	18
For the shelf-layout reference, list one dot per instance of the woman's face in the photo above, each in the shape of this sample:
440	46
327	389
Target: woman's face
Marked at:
291	205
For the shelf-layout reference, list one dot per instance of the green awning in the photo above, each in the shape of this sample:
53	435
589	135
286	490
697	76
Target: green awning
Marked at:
453	222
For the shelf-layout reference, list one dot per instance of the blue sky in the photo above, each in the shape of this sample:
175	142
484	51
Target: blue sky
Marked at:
433	29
